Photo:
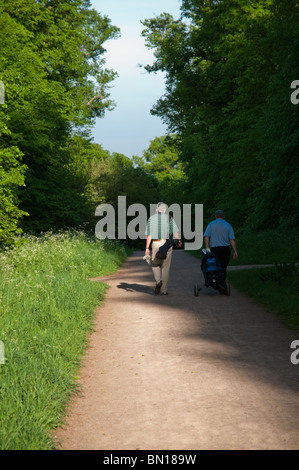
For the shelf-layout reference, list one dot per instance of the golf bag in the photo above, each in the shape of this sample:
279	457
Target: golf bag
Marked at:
162	252
212	271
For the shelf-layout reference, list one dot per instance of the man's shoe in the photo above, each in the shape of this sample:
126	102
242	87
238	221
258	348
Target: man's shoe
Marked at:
164	293
158	287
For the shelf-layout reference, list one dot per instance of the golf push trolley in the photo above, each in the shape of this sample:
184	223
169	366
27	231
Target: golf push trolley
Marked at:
213	274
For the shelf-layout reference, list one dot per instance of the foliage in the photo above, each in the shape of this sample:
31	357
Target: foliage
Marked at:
52	67
279	127
56	84
233	131
265	247
161	160
279	297
280	272
11	177
229	65
102	177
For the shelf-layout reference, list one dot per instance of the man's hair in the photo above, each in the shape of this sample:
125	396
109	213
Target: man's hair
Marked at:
161	206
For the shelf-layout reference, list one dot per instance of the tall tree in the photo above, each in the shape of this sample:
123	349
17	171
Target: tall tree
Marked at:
275	201
161	159
11	177
56	84
102	177
222	69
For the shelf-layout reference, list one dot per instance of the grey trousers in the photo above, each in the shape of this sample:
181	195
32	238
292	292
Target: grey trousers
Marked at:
161	268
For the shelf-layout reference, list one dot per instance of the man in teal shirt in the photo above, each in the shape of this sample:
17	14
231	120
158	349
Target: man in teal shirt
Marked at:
219	237
159	228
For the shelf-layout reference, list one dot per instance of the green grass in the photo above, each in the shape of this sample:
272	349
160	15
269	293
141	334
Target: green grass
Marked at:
47	309
268	247
276	288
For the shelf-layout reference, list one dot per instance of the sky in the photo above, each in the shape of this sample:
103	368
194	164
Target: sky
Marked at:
130	127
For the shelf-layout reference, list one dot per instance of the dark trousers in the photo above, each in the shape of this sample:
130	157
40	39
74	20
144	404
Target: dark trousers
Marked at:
223	253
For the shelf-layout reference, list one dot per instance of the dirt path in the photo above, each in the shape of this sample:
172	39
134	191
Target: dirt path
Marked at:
182	372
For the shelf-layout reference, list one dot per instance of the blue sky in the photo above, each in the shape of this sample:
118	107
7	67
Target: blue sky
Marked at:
130	127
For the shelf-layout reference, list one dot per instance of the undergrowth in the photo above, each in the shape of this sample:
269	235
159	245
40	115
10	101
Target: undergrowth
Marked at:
47	309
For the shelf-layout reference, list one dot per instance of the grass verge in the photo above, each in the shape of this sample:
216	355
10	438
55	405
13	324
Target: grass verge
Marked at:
276	288
47	309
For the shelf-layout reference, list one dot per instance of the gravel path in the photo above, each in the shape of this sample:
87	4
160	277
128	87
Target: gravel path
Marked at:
180	372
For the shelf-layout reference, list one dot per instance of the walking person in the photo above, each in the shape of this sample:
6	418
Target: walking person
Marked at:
159	227
219	237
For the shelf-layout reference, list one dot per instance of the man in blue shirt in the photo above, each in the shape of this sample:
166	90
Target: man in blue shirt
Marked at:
219	237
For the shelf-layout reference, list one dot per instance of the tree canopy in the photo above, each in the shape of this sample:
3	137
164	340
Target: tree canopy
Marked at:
233	128
56	84
161	160
229	65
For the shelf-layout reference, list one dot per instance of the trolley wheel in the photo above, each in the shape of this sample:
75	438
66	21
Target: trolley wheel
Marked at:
196	290
228	289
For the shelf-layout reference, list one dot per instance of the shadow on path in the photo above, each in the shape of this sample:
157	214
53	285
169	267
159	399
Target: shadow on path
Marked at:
133	287
183	372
